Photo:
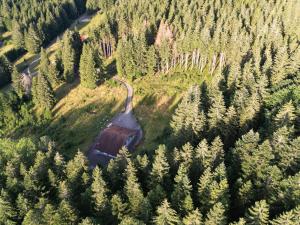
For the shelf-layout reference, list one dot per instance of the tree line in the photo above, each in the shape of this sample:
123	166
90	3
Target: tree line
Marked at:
233	155
35	23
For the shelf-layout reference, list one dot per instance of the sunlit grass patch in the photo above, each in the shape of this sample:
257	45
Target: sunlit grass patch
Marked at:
82	113
156	98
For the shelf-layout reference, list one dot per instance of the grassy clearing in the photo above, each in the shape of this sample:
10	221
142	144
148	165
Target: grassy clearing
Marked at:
7	45
97	19
156	98
81	113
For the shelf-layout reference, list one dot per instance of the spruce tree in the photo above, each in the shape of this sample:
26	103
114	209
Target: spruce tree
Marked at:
17	82
33	39
130	220
166	215
7	212
42	92
17	35
44	63
136	200
160	167
151	61
54	74
213	188
71	51
258	214
67	213
91	5
181	196
119	208
241	221
156	195
216	152
279	71
216	215
286	115
88	67
87	221
116	169
202	154
193	218
291	217
184	156
99	191
216	112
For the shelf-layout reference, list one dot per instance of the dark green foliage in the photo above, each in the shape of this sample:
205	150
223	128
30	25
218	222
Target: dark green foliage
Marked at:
90	67
71	51
14	113
43	95
33	39
234	149
5	71
35	23
17	82
133	58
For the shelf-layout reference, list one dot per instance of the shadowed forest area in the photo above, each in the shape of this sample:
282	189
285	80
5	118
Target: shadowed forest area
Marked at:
216	92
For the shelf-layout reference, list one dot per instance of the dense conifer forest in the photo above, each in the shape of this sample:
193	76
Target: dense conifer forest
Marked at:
231	153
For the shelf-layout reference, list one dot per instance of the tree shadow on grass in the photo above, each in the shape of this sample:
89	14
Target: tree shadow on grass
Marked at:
78	128
111	70
25	63
64	89
154	119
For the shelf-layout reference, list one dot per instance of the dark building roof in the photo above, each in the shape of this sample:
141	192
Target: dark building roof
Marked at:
113	138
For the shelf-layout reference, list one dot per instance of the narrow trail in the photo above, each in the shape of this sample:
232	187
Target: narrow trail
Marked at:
36	59
128	103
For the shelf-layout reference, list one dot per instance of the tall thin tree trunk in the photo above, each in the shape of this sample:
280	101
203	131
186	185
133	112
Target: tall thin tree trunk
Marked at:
221	64
203	63
186	60
198	57
213	65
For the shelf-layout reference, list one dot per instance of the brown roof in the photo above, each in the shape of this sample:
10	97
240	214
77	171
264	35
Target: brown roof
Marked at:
113	138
